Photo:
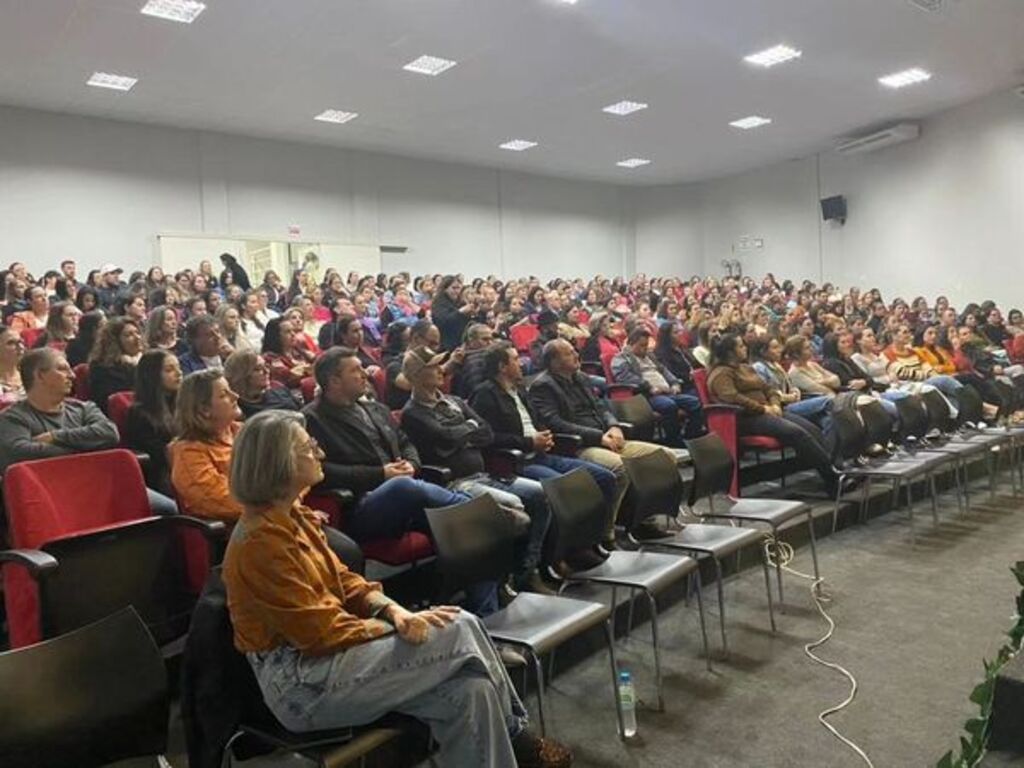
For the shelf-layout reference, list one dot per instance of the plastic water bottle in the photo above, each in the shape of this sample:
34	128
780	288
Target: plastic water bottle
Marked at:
627	698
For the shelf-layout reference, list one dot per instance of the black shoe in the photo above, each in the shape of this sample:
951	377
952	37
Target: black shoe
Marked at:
584	560
648	529
532	582
506	595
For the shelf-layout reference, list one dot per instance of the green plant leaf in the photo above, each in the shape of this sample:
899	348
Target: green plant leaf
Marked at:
946	761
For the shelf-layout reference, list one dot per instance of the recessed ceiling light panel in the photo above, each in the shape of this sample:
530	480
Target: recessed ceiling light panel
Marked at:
111	81
518	145
336	116
772	56
907	77
182	11
429	65
754	121
624	108
633	162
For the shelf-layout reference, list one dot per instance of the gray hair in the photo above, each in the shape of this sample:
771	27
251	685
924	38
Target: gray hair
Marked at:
263	458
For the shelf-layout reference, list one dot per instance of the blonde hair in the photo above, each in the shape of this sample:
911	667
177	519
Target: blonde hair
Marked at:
238	368
263	460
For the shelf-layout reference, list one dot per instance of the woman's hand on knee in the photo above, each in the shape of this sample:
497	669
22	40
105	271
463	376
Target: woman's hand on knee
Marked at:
415	627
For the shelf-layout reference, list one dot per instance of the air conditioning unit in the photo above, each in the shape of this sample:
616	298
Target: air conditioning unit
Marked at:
880	139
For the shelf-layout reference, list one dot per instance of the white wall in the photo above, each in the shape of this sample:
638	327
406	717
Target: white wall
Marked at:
100	191
944	214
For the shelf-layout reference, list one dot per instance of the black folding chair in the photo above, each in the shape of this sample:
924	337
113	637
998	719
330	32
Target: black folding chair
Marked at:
88	698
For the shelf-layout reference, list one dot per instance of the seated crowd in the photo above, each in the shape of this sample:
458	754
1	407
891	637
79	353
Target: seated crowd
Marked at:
404	392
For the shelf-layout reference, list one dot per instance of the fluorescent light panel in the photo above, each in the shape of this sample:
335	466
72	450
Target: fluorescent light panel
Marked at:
518	145
624	108
754	121
336	116
182	11
633	162
772	56
111	81
906	77
429	65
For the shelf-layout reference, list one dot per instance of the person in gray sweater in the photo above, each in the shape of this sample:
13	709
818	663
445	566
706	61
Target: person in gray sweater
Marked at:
47	423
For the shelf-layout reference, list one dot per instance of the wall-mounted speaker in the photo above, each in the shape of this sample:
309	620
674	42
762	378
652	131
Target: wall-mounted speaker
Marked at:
834	209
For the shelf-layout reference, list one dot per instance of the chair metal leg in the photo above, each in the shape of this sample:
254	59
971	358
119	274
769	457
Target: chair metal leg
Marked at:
652	604
839	492
814	544
629	613
910	511
700	610
163	762
768	591
992	461
935	500
721	604
610	639
538	671
778	571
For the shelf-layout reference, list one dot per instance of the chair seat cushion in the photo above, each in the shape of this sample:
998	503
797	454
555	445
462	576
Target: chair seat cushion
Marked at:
652	571
411	548
543	622
760	443
717	540
772	511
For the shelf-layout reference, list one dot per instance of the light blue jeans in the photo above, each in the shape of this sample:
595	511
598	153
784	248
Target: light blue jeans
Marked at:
454	682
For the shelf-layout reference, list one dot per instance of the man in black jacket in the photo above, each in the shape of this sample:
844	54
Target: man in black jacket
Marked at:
367	454
502	402
450	433
564	402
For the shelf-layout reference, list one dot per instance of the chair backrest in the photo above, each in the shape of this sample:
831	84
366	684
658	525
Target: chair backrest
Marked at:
31	335
655	485
580	515
81	386
700	383
637	411
913	417
53	499
876	422
939	415
474	541
712	466
88	698
522	336
142	564
380	384
117	409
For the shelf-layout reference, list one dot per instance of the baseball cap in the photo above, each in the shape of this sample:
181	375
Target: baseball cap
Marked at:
416	360
106	269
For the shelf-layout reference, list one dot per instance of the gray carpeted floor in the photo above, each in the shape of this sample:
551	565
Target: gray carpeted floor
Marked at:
913	625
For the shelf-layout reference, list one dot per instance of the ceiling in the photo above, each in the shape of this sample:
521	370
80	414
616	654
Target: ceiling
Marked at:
528	69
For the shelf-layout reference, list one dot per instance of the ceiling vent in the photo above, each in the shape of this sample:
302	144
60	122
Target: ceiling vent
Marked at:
880	139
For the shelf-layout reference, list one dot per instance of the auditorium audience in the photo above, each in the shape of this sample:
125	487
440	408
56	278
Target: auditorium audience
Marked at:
149	423
205	347
331	625
733	381
448	432
287	368
12	349
207	421
35	315
248	375
47	422
565	403
113	360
